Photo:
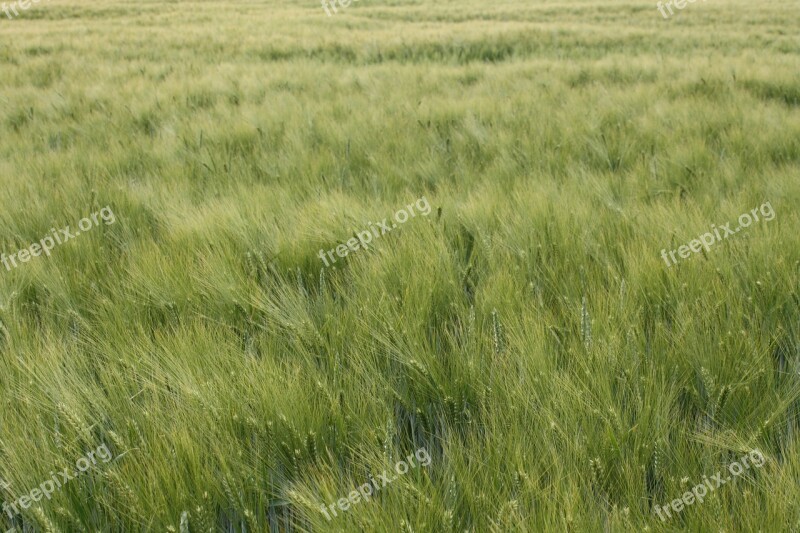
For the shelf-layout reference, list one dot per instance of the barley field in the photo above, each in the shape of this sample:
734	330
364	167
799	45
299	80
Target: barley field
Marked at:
212	353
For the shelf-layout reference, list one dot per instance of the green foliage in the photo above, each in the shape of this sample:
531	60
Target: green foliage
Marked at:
526	333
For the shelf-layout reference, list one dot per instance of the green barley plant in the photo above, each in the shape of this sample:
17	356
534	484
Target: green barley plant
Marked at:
528	335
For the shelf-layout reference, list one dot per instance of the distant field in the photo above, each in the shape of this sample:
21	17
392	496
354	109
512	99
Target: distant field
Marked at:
523	339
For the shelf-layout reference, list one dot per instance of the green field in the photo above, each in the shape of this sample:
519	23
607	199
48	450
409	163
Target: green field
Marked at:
525	334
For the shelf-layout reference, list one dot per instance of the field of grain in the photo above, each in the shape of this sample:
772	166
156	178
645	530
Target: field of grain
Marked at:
522	333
